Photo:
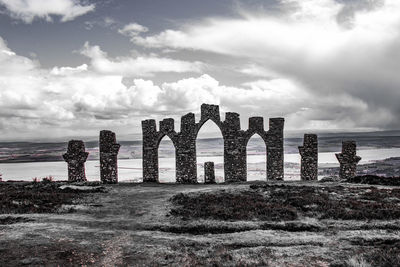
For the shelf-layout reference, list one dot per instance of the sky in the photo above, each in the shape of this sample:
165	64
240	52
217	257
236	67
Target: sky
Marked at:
70	68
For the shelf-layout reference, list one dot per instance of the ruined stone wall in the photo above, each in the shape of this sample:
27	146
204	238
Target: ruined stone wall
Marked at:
309	157
235	142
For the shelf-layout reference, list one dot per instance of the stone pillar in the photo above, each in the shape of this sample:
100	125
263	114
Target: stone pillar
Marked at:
348	160
309	157
209	173
150	151
76	158
234	149
108	157
186	168
275	149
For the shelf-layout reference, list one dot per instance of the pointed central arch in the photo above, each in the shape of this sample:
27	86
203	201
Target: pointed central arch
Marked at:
256	158
166	160
210	147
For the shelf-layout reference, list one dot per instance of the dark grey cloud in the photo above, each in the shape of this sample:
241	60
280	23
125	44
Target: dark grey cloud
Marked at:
321	64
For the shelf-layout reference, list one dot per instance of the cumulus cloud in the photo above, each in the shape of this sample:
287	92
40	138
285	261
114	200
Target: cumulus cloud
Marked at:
81	100
305	65
332	48
28	10
136	66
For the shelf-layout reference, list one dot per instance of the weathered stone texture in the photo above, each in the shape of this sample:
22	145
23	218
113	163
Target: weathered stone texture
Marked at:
309	157
108	157
186	169
348	160
275	155
150	151
234	149
76	158
235	142
209	173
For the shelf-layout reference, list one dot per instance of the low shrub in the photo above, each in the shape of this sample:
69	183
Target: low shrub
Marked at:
286	202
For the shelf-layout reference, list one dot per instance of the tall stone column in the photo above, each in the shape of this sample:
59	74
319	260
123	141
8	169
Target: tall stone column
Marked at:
309	157
275	156
209	173
150	151
186	168
76	158
234	149
108	157
348	160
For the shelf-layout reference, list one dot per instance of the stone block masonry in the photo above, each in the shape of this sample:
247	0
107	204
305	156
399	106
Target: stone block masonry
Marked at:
235	143
209	173
76	158
108	157
348	160
309	158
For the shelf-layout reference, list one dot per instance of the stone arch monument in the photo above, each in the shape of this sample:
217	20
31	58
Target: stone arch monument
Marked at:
235	144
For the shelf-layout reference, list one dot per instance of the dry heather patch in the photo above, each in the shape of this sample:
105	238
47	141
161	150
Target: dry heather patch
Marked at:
50	253
277	202
36	197
376	180
222	205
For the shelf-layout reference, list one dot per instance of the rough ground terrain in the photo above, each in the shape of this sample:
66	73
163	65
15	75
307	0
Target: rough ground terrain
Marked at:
267	224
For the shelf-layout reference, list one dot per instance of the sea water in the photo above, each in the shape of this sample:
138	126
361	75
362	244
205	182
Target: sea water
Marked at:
131	169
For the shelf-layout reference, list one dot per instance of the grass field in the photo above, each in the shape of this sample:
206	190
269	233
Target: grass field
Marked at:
246	224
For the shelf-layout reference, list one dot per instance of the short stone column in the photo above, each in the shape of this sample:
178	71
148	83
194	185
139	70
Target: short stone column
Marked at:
309	157
108	157
209	173
348	160
76	158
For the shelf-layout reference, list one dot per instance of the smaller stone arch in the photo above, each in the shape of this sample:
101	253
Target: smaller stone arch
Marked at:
273	139
256	127
209	112
247	156
218	149
164	147
167	128
151	143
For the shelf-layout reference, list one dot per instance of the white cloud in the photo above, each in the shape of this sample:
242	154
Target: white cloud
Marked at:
28	10
309	44
81	100
305	67
310	31
35	101
68	70
136	66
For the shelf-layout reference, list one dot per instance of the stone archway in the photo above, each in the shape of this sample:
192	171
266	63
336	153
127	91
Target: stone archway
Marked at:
166	160
256	158
210	149
235	141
